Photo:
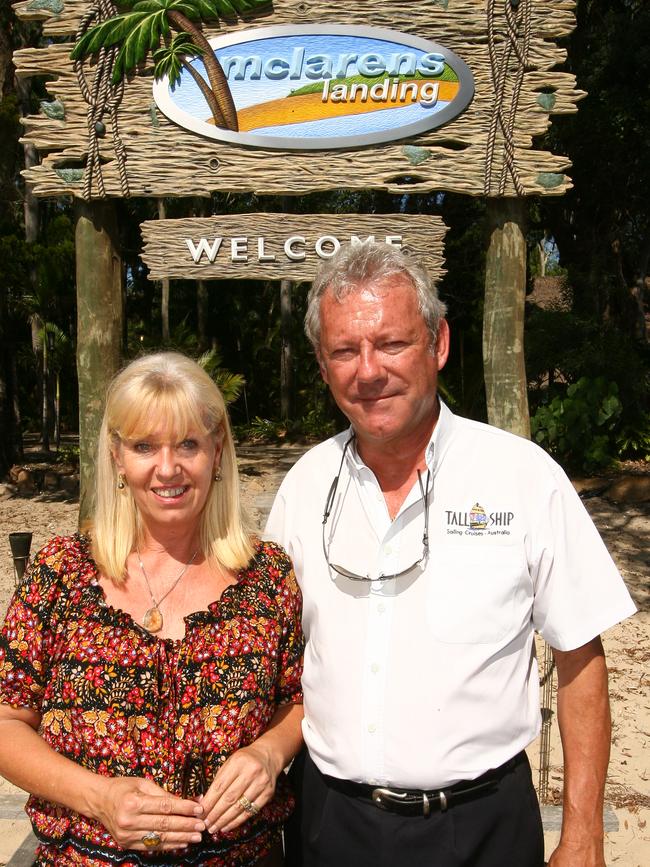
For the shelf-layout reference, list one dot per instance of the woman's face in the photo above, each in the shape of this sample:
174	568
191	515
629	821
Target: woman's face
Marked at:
170	481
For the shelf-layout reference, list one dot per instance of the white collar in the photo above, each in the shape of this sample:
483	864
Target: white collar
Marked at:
434	451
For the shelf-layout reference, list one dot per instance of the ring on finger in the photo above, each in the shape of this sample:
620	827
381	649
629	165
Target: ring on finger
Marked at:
151	840
249	806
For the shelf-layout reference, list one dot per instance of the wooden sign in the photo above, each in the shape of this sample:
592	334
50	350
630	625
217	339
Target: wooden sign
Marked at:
279	246
128	146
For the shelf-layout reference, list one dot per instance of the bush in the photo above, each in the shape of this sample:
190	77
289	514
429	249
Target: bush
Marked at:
633	439
579	427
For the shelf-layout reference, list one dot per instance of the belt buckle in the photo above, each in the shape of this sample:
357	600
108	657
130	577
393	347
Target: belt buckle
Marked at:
399	798
388	795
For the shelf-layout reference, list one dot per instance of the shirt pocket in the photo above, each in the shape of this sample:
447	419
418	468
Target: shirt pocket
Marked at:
471	597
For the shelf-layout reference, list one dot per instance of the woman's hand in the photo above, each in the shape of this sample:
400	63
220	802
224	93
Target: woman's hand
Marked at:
132	807
247	778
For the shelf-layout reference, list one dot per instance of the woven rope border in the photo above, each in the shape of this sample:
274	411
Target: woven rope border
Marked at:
516	48
102	98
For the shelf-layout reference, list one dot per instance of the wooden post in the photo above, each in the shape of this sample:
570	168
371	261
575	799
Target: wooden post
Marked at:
503	317
99	329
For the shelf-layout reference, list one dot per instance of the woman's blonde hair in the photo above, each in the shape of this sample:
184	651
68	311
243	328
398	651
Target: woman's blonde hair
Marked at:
170	391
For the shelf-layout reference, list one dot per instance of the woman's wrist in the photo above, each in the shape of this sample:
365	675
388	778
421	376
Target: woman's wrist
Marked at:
95	796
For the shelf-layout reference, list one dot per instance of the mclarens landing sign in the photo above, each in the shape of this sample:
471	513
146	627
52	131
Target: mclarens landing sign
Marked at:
319	87
325	66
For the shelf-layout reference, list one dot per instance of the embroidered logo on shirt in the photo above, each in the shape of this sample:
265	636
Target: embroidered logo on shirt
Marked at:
477	517
477	522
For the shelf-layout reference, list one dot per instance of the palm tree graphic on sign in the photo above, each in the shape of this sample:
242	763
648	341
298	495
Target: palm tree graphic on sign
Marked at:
147	27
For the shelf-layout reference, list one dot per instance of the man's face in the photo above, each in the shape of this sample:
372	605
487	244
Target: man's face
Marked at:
376	357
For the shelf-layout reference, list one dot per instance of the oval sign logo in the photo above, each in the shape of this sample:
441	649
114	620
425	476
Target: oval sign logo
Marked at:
316	87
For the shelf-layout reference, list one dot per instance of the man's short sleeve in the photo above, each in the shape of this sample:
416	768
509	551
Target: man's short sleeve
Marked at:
579	592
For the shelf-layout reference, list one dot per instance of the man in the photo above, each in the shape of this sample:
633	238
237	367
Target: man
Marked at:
429	548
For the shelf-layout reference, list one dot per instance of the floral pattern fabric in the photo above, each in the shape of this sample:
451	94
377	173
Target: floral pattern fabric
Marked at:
121	702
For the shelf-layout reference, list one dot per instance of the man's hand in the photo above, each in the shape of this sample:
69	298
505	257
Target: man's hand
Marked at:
576	855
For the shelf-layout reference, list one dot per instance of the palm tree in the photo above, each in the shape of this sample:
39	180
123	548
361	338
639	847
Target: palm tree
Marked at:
172	57
148	24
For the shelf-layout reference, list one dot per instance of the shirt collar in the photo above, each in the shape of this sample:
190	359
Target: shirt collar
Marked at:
434	451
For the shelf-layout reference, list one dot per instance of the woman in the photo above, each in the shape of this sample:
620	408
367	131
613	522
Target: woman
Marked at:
150	672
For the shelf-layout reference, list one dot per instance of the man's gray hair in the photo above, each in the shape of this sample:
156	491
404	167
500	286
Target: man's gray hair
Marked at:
367	264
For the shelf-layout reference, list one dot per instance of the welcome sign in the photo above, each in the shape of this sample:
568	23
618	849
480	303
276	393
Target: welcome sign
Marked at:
271	246
322	87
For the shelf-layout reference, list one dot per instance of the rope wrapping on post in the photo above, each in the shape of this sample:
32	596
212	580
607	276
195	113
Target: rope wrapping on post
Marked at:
546	685
516	49
103	98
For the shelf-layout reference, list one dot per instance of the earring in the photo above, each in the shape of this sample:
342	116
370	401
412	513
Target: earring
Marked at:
120	482
217	474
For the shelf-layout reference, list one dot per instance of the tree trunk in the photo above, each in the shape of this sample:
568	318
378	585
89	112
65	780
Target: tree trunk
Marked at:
19	451
286	357
99	329
6	413
7	173
208	95
45	415
31	214
30	204
57	411
201	208
164	296
216	75
503	317
202	314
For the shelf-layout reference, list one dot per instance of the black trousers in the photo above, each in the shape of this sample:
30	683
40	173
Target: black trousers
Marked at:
500	828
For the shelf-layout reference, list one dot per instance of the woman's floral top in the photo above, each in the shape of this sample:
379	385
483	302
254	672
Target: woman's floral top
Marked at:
121	702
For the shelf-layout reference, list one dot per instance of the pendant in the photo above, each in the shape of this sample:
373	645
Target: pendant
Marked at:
153	620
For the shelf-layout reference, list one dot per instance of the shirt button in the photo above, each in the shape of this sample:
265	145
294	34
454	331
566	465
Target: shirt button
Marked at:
372	728
388	549
374	668
381	608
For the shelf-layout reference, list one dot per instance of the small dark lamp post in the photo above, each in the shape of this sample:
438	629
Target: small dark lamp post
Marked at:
20	544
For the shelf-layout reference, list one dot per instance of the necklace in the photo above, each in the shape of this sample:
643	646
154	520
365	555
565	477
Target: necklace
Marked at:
153	619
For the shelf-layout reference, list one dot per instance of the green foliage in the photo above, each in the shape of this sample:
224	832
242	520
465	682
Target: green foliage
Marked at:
230	384
602	225
316	424
633	439
146	23
578	428
578	345
169	59
10	131
260	430
570	348
68	454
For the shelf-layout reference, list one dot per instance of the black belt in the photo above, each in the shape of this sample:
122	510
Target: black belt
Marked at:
411	802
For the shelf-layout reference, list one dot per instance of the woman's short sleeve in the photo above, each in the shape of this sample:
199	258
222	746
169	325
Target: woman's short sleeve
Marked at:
26	636
292	644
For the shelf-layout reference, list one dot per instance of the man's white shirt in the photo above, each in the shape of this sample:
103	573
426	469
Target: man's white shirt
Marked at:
430	678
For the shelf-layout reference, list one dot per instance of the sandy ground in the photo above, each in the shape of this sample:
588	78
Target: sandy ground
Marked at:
626	530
